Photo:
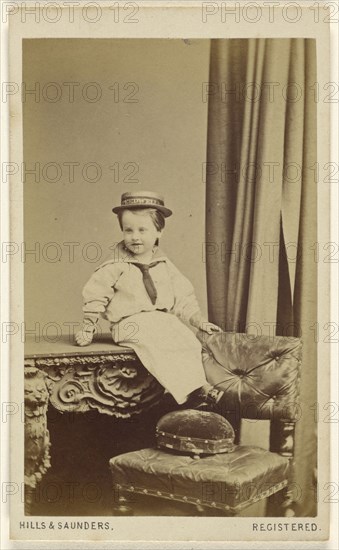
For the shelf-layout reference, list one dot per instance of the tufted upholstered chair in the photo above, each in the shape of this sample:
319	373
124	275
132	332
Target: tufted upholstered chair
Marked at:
260	377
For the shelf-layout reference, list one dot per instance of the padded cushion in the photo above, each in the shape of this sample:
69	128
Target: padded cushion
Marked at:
260	375
226	481
197	432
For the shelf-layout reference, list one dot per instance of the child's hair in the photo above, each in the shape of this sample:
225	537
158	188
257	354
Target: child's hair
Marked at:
157	218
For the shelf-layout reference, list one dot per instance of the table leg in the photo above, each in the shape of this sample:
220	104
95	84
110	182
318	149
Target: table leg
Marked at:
37	443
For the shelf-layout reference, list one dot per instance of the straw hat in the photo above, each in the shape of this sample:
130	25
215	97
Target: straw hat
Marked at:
142	199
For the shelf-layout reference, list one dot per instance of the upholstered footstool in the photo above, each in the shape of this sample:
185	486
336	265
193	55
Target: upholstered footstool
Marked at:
196	462
229	481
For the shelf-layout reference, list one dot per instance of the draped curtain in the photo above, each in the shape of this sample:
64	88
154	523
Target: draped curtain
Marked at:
261	225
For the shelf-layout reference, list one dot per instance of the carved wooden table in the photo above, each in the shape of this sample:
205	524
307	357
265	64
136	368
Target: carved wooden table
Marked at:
102	376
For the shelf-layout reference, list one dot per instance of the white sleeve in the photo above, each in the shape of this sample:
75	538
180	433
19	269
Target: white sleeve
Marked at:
99	290
185	301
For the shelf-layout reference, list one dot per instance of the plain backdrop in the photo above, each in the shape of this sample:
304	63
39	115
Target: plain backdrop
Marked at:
126	115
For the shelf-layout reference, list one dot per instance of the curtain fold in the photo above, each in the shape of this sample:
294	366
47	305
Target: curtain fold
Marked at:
261	205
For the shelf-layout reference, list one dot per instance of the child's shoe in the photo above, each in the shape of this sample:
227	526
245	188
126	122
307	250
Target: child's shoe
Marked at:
206	397
214	396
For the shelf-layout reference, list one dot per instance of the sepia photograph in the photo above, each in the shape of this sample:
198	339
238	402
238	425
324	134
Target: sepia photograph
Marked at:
167	315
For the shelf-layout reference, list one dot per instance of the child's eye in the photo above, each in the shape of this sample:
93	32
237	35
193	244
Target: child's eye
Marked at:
128	230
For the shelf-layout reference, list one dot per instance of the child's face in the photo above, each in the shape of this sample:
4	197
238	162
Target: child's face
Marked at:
139	231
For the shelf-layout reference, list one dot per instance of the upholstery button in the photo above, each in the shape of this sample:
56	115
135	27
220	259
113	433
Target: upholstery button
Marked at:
171	495
213	504
145	491
131	488
274	397
185	498
159	493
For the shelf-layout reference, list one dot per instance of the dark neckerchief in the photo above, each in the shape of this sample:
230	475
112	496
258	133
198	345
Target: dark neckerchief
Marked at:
147	279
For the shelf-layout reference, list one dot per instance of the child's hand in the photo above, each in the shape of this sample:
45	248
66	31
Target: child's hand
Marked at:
210	328
85	336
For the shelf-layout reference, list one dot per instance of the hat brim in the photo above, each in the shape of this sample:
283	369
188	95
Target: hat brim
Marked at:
165	211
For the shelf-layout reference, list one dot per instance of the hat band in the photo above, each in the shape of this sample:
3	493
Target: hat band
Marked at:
140	201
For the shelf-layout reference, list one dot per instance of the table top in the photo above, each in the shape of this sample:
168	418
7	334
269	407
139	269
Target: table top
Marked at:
64	346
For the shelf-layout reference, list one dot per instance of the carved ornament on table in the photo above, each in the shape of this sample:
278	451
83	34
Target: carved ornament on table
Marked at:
117	384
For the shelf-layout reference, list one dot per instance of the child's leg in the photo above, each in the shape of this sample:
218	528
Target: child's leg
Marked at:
167	348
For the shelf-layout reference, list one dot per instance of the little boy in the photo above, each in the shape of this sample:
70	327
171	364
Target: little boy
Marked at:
149	302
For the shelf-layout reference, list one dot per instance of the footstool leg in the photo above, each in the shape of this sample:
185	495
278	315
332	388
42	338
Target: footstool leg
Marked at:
121	504
200	510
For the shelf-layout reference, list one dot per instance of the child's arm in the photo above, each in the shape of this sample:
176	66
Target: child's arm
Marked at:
186	305
97	294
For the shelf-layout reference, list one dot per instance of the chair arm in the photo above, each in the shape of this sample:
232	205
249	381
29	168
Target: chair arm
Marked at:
260	375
